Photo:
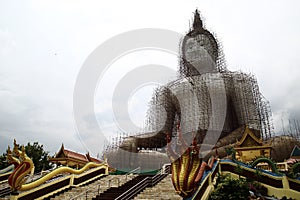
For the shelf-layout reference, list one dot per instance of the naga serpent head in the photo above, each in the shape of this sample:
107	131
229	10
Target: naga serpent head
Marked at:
23	153
187	167
9	152
16	149
11	159
23	166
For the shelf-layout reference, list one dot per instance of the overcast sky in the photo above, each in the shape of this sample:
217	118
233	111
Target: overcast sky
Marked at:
43	45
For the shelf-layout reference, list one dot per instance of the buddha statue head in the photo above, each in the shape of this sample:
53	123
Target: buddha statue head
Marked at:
199	50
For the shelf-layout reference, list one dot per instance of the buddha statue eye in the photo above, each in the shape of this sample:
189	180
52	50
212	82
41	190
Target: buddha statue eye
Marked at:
190	47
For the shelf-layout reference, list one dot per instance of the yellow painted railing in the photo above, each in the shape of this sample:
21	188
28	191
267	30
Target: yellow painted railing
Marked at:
38	190
278	186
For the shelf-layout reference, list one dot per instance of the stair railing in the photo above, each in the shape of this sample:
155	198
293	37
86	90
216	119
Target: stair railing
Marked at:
148	181
94	189
132	171
135	189
158	177
166	169
86	192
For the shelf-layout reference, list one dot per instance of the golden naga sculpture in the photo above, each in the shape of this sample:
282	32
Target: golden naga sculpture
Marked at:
11	159
187	169
24	166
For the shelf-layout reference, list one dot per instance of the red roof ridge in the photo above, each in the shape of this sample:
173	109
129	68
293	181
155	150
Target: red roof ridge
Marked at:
92	159
73	154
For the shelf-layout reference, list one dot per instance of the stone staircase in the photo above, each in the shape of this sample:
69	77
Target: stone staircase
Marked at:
4	185
91	190
113	193
4	191
164	190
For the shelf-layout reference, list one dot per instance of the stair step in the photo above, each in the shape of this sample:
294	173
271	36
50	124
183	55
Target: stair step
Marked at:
163	190
113	193
92	189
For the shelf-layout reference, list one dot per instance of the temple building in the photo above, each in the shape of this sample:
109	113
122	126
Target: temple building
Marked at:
296	153
72	159
249	147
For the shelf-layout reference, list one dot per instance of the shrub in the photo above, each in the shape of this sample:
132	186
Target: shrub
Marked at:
229	188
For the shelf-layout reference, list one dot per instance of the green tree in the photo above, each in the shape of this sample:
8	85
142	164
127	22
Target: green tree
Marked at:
258	175
239	170
39	156
3	162
230	151
229	188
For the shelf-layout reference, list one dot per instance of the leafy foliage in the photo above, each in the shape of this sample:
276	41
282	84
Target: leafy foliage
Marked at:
258	175
239	170
39	156
294	171
3	162
231	151
229	188
269	161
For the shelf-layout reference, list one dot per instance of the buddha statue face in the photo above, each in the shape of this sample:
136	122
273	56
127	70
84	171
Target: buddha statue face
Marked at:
197	53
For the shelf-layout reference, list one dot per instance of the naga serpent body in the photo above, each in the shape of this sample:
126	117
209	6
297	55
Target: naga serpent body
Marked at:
187	169
24	166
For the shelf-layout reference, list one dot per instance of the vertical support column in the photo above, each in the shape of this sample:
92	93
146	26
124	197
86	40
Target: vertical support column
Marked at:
285	183
72	180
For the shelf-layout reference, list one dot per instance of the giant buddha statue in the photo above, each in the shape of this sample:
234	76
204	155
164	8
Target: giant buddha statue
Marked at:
209	102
